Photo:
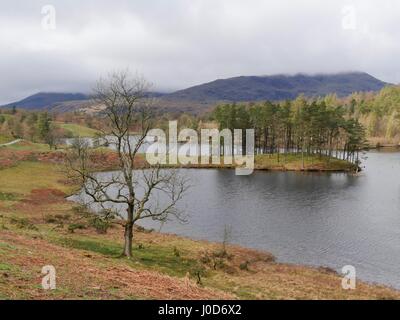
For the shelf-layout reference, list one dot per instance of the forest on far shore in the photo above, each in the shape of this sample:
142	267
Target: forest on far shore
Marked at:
320	125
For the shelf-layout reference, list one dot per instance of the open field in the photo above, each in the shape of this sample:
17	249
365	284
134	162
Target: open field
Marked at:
77	130
39	227
25	145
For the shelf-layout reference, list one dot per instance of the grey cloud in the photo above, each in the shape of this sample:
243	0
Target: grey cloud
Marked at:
178	43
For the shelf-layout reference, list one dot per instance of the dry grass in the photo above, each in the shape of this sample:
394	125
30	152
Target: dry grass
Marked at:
84	275
283	162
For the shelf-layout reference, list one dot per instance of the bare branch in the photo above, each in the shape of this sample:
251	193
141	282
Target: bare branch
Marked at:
151	193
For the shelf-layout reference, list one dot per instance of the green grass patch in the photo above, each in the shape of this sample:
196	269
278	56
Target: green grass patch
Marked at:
29	146
8	196
27	175
150	256
6	267
77	130
164	259
107	249
7	246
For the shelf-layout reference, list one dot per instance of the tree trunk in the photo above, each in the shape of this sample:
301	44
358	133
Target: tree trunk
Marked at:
265	140
233	143
128	235
244	138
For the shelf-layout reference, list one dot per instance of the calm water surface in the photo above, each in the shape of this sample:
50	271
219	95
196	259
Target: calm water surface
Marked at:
314	219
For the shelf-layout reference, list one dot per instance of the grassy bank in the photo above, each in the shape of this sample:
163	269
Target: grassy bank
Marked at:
287	162
77	130
39	227
296	162
25	145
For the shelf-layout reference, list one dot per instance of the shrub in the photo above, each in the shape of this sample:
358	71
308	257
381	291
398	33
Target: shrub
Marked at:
244	266
7	196
62	216
57	219
176	252
23	223
76	226
100	224
81	209
198	271
205	259
50	219
144	230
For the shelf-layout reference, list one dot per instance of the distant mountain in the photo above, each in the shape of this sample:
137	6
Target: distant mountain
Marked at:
241	89
45	100
60	102
279	87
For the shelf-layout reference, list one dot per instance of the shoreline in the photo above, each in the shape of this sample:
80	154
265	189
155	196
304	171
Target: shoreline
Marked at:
269	256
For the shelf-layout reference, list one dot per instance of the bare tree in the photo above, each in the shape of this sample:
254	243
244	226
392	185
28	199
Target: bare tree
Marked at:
147	193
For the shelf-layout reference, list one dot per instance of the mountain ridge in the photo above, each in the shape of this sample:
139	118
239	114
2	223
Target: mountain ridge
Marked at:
236	89
281	87
46	99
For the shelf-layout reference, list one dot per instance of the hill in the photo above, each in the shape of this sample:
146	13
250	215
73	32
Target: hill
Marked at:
239	89
46	100
279	87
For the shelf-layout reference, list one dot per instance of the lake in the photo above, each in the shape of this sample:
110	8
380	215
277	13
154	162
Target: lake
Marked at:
318	219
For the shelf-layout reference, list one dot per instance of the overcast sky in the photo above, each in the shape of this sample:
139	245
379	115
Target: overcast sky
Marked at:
179	43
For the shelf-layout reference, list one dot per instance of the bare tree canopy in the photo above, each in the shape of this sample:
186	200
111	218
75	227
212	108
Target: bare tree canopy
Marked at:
127	110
